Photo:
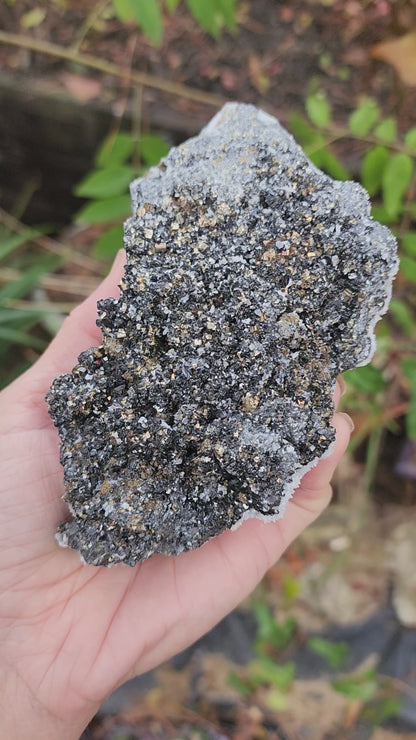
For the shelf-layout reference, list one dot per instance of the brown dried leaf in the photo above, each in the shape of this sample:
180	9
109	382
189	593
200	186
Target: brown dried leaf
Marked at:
401	54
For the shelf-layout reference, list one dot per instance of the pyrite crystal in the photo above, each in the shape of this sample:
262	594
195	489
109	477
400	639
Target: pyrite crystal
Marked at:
252	280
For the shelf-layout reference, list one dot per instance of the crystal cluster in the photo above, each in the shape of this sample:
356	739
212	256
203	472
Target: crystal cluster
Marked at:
252	280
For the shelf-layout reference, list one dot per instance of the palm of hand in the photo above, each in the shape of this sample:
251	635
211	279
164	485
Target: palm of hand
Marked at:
70	633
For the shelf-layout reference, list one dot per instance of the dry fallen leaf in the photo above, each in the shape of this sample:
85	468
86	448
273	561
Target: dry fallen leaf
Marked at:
401	54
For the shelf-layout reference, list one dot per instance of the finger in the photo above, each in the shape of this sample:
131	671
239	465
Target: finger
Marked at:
339	390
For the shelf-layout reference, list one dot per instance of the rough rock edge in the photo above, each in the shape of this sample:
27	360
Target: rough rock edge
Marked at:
293	483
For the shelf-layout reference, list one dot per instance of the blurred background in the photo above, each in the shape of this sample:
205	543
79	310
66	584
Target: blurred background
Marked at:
92	94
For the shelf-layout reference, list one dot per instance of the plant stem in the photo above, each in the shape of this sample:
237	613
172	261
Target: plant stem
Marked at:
80	286
87	25
373	449
42	306
335	133
87	60
50	245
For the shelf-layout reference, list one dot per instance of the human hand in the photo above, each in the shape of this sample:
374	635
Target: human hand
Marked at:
71	633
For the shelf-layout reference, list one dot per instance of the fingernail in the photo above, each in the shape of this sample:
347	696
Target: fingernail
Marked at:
347	419
342	384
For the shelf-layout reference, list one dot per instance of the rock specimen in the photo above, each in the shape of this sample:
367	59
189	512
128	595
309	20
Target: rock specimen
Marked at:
252	280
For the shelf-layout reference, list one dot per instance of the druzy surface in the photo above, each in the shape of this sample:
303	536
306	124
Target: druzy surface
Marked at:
252	280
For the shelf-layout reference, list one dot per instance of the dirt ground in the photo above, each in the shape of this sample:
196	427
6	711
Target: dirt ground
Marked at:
281	49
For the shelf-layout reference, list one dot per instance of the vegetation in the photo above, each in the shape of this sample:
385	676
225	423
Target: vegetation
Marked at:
212	15
374	698
386	168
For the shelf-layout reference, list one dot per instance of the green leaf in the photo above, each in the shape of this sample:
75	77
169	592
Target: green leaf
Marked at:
367	379
105	183
318	109
227	11
14	336
104	211
381	710
372	170
402	316
21	287
386	130
236	682
363	687
269	631
148	16
396	178
171	5
329	163
275	700
362	120
204	12
9	242
19	322
33	18
409	243
408	268
409	370
291	589
124	10
19	316
379	213
265	621
302	131
266	671
109	243
114	150
410	140
333	652
152	148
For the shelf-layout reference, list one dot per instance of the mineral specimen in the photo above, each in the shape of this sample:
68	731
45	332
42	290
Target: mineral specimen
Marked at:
252	280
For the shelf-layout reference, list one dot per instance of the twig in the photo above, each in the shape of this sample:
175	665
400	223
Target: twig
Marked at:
30	186
87	25
50	245
336	133
376	421
120	109
87	60
81	286
373	450
42	306
137	122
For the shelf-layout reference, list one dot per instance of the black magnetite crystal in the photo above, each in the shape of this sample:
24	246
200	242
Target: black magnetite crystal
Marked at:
252	280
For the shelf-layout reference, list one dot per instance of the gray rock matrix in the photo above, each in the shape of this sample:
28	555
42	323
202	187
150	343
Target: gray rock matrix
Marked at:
252	280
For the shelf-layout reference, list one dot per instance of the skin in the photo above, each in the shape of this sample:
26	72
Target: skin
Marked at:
71	633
